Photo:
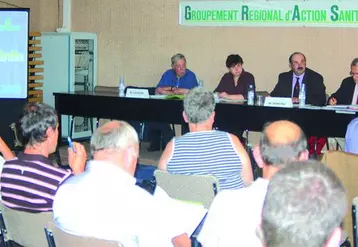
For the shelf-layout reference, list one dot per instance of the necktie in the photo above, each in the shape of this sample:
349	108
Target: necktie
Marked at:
296	89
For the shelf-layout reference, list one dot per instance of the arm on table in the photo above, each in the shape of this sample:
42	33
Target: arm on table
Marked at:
231	96
340	95
164	90
180	90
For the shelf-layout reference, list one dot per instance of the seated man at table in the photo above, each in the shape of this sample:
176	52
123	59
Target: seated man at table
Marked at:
105	203
205	151
235	214
177	80
29	182
289	83
304	206
347	93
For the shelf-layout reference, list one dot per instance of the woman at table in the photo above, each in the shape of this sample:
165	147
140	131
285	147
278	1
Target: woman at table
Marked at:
234	85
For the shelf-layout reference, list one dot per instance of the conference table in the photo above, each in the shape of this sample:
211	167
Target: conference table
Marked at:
315	121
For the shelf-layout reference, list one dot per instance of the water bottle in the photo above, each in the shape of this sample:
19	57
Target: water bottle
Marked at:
121	87
302	95
250	95
216	97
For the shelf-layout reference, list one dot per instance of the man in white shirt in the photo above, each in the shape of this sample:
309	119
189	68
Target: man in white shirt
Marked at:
304	206
105	203
234	215
351	140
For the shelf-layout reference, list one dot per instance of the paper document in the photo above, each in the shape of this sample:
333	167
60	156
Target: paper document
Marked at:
157	96
349	108
186	214
232	100
189	215
338	106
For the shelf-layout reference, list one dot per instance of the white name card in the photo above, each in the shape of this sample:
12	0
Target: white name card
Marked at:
278	102
137	93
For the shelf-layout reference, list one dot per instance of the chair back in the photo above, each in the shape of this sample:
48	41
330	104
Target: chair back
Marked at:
193	188
106	89
59	238
26	229
345	165
17	143
355	220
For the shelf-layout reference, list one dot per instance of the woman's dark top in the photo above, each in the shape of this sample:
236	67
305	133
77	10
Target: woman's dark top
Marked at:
227	84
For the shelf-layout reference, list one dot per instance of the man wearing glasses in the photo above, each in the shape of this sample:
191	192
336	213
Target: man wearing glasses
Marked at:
177	80
347	93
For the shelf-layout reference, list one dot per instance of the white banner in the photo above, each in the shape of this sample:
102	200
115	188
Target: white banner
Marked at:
273	13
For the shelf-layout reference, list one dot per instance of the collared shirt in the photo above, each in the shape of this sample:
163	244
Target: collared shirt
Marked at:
187	81
29	183
355	95
105	203
294	79
351	140
234	217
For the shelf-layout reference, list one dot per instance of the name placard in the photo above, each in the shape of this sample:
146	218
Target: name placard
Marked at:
278	102
137	93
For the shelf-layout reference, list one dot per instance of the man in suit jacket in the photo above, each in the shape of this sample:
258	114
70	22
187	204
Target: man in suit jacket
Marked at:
299	74
347	93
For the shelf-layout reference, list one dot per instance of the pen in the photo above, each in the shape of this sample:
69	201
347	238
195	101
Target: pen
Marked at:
70	144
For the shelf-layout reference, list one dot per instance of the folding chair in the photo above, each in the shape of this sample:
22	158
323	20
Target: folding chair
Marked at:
56	237
193	188
345	240
345	166
354	219
17	144
25	229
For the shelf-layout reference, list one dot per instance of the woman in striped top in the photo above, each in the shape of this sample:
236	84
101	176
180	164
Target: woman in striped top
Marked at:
204	151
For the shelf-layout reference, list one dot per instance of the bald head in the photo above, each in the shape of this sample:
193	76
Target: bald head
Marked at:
114	135
282	142
282	132
116	143
109	126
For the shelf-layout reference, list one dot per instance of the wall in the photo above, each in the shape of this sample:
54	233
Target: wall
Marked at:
44	14
137	39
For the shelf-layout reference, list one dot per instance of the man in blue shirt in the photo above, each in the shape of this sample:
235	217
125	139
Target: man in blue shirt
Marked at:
177	80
